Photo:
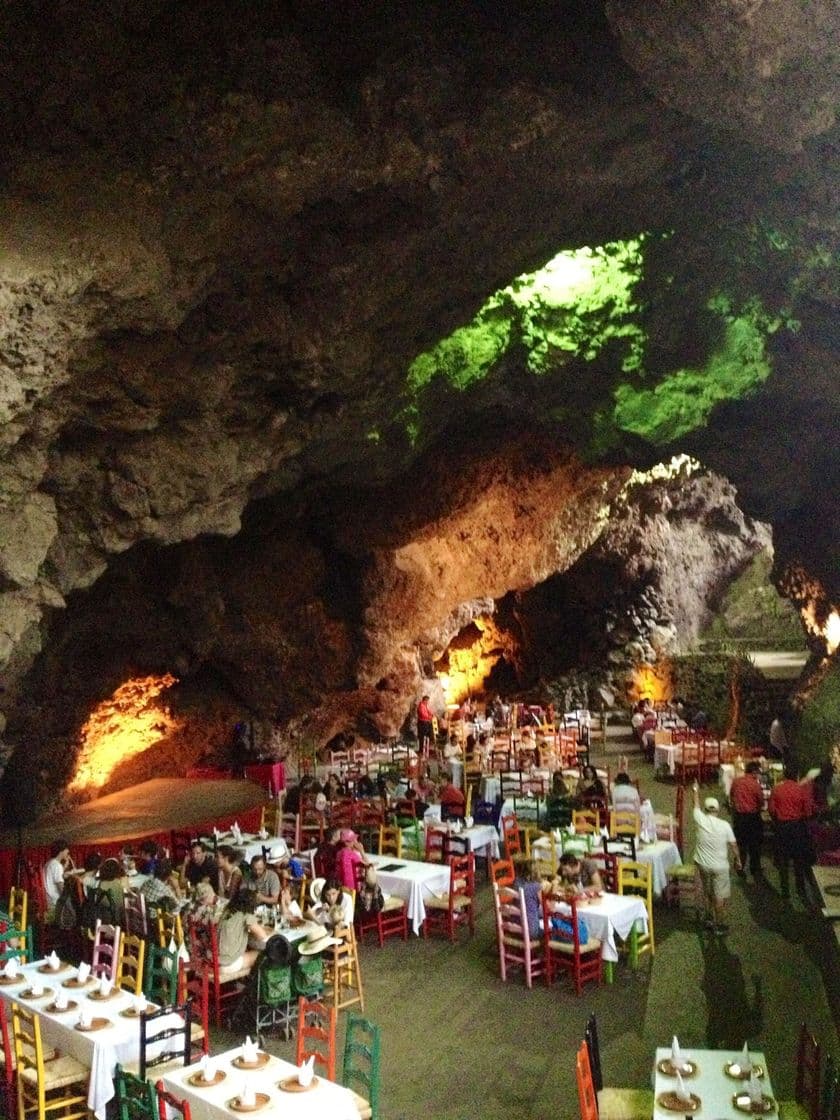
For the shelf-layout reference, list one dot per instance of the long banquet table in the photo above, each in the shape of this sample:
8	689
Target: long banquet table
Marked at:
412	880
324	1101
99	1050
710	1083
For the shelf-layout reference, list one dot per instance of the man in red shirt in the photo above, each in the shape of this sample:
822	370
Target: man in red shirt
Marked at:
747	800
789	807
425	726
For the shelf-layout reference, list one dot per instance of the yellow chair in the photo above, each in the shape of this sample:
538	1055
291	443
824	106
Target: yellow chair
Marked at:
45	1088
270	818
637	879
18	906
624	822
541	849
130	963
169	929
390	840
587	821
342	972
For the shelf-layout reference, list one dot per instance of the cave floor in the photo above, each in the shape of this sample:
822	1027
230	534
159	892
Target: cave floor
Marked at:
458	1043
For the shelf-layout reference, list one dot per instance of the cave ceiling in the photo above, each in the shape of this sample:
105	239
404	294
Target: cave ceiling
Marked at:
230	232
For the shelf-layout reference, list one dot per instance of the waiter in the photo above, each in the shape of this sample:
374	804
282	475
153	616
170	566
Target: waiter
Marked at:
425	725
789	807
747	800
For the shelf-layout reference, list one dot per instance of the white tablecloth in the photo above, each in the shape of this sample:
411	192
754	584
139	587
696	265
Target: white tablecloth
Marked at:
98	1050
710	1083
662	856
532	805
490	788
483	839
665	754
611	916
414	881
326	1101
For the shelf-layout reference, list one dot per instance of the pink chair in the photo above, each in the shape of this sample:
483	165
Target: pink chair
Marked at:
514	942
106	951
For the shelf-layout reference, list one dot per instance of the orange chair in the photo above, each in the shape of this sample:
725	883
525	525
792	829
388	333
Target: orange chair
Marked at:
502	872
513	938
450	911
587	1100
582	960
511	839
316	1035
169	1104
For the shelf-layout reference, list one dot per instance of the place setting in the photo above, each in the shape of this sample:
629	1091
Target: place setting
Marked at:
53	964
251	1057
105	990
11	973
207	1075
680	1098
88	1022
82	979
139	1006
61	1003
248	1100
301	1081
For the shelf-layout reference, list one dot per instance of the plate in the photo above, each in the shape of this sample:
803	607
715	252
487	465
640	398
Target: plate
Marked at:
737	1071
262	1060
763	1108
47	968
96	1024
71	1006
114	992
260	1101
672	1103
27	993
292	1085
130	1013
198	1081
19	979
75	982
687	1069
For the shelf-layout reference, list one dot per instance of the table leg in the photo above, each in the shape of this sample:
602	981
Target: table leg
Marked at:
609	971
634	946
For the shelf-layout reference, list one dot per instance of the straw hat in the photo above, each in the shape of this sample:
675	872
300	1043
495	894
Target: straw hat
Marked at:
315	889
317	940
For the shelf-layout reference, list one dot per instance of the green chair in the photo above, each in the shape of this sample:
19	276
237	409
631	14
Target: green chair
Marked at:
413	842
360	1067
160	981
136	1099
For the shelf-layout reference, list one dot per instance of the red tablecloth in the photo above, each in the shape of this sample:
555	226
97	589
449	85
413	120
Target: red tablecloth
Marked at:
272	775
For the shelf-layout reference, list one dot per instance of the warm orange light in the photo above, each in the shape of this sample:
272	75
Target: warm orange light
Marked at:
125	725
469	663
653	682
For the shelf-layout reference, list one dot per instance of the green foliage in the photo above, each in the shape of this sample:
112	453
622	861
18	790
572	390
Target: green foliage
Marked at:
818	728
706	682
754	612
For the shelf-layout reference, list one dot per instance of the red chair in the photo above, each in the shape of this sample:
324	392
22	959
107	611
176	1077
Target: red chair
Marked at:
390	921
511	839
587	1100
224	983
316	1035
687	762
169	1104
502	872
436	839
607	864
450	911
512	936
583	961
194	988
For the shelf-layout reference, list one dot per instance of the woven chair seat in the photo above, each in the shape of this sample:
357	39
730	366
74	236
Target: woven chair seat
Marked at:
393	903
58	1073
441	902
568	946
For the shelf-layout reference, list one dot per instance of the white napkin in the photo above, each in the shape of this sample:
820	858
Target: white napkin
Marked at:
53	961
11	969
105	986
682	1093
307	1071
605	833
139	1003
84	1016
571	830
246	1095
746	1060
754	1089
249	1050
216	833
83	972
208	1068
263	834
676	1054
37	987
61	999
294	910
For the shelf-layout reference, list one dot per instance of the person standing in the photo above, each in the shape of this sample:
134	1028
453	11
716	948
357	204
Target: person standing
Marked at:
747	800
789	806
714	840
425	725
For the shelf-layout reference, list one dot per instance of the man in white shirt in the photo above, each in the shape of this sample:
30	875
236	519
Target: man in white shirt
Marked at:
54	870
714	841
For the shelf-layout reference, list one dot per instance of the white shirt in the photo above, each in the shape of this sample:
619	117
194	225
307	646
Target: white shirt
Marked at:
626	798
713	838
53	880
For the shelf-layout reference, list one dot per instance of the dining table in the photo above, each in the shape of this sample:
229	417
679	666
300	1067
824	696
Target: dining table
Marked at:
99	1049
662	855
412	880
716	1088
613	916
275	1087
482	839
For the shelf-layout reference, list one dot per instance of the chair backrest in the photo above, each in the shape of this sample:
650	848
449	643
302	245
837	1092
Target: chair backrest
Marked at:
510	835
18	906
361	1059
136	918
131	959
587	1098
607	864
169	929
512	916
502	872
169	1044
556	906
29	1059
435	844
461	877
194	987
624	822
290	830
161	977
106	950
316	1035
136	1099
455	845
586	820
636	878
168	1104
807	1089
390	840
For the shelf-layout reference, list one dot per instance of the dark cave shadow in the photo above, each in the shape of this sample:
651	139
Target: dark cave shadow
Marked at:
735	1016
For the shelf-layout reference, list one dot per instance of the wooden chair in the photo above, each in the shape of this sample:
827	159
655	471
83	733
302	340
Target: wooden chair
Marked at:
512	936
194	988
18	913
511	842
136	918
170	929
436	845
316	1035
607	864
106	950
541	849
582	960
614	1104
155	1048
270	819
343	973
687	762
360	1065
637	879
169	1103
290	831
587	1100
136	1099
225	983
390	840
502	872
624	822
57	1087
390	921
587	821
130	963
7	1071
160	980
683	888
451	911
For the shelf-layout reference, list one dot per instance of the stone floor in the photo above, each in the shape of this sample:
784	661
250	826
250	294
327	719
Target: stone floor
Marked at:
458	1043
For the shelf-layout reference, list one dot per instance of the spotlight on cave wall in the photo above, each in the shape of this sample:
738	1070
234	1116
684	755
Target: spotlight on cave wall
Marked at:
470	659
652	682
121	727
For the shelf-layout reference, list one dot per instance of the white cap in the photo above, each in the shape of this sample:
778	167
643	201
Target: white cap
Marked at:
711	803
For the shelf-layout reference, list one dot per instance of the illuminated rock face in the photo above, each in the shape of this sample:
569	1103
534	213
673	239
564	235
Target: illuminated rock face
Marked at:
231	244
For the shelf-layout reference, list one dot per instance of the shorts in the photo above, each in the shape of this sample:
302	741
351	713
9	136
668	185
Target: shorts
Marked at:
716	884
